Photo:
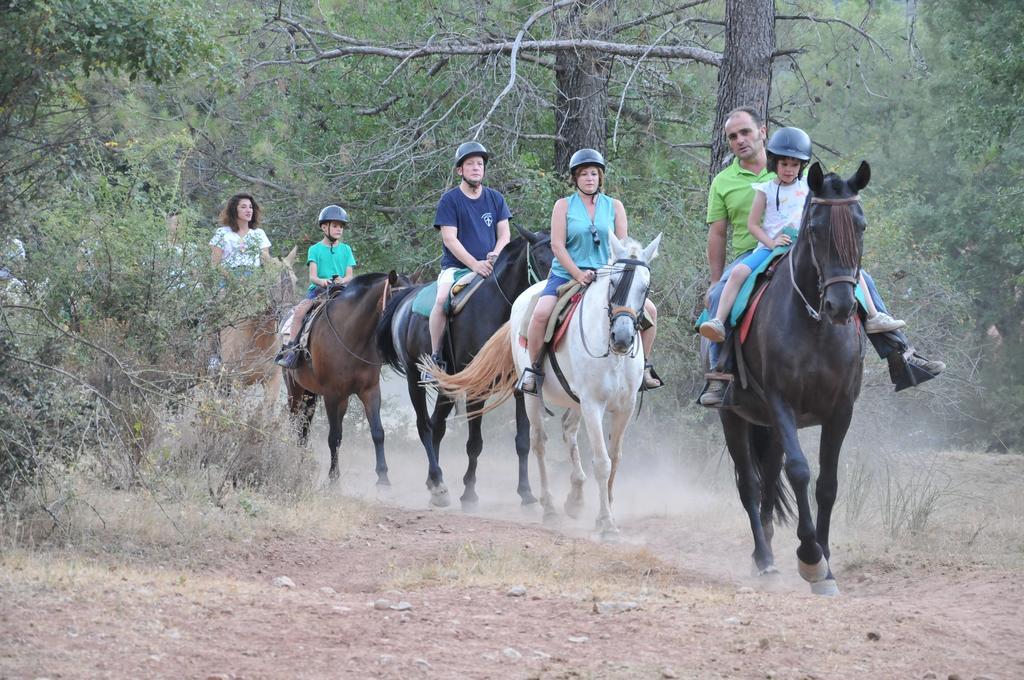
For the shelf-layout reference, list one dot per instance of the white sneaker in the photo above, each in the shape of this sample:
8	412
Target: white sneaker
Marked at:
883	323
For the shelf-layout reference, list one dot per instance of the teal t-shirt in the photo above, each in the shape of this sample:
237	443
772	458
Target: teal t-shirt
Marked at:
330	261
731	197
579	239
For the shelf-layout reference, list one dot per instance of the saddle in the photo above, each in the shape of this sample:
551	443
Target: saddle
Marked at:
466	284
569	296
319	304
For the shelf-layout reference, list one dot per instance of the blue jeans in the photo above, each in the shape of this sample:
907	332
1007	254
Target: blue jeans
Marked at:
716	294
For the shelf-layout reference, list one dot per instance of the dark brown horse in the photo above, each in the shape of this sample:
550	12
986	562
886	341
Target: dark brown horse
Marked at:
344	361
803	358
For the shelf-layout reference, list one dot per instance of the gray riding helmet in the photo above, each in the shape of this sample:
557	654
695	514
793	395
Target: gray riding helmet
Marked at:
791	142
333	213
467	149
586	157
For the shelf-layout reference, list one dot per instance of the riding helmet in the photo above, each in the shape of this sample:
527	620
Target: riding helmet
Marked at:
333	213
467	149
585	157
790	142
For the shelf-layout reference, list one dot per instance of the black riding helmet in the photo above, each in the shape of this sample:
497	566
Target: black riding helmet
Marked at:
467	149
789	142
585	157
333	213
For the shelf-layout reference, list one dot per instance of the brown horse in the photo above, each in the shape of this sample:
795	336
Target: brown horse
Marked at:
344	361
248	346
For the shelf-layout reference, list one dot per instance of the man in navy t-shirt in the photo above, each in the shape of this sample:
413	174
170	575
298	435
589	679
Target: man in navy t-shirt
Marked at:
473	221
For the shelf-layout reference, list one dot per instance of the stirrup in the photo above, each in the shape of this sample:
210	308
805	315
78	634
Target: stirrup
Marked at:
649	366
538	380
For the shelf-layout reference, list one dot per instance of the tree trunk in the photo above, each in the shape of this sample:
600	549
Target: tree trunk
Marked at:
581	76
745	77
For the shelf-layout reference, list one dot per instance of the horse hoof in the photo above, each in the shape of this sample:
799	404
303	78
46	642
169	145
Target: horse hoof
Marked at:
439	497
470	505
573	509
551	518
826	587
813	573
610	535
383	481
527	498
770	570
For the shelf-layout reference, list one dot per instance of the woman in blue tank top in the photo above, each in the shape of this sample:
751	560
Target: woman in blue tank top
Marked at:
580	225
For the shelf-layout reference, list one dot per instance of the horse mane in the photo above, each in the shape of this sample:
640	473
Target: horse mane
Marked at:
362	283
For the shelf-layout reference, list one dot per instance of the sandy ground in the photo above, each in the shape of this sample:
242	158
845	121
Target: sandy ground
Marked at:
406	591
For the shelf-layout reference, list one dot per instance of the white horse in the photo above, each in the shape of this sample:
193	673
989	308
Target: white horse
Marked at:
601	363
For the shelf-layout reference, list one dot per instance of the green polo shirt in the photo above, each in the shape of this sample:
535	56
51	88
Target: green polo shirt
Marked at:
731	197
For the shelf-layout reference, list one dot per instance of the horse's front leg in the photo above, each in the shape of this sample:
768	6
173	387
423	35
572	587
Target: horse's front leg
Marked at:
738	441
435	478
616	438
592	416
812	564
272	388
371	407
523	451
474	446
833	433
570	434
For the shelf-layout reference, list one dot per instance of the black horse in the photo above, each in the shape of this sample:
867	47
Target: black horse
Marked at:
403	338
802	366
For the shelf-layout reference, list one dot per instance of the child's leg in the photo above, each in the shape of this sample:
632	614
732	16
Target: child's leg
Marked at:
300	314
732	288
869	304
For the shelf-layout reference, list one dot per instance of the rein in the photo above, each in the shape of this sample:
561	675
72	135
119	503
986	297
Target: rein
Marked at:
531	273
387	293
822	286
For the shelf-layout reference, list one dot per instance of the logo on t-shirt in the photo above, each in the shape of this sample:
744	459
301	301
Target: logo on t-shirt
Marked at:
487	218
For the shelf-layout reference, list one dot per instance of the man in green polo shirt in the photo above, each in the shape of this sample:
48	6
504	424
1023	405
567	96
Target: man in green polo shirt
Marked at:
729	202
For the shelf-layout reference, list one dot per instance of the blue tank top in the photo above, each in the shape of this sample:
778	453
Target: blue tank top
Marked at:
579	237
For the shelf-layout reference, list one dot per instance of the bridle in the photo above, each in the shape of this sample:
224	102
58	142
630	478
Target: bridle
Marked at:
823	285
617	306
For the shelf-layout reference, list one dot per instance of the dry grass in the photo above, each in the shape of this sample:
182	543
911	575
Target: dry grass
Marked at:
551	565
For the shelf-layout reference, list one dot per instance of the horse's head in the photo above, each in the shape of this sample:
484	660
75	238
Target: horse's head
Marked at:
628	284
833	230
538	251
282	290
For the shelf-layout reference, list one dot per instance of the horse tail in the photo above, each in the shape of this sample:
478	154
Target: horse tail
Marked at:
385	341
776	496
490	375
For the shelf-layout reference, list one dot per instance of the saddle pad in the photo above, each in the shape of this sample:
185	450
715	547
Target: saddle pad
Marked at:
563	323
424	300
566	294
747	290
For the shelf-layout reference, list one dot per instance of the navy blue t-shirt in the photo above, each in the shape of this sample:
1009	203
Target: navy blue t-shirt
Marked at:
475	219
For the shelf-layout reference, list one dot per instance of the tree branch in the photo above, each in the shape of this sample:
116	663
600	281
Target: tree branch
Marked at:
819	20
697	54
515	52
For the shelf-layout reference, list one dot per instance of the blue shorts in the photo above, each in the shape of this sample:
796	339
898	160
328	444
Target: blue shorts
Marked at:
756	258
315	292
554	282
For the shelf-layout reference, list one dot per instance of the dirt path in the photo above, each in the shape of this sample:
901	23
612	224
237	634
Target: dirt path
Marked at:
408	592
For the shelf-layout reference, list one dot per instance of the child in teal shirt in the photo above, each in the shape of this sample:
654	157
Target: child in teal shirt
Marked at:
330	262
